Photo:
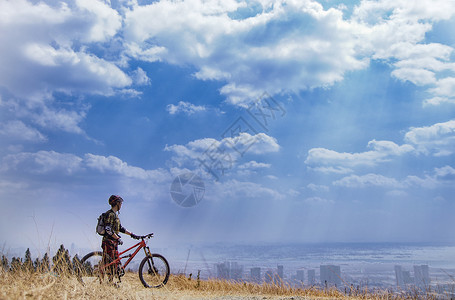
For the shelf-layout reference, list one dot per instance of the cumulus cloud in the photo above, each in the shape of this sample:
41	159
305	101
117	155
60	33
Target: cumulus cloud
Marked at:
254	165
185	108
325	160
444	176
317	187
235	189
45	162
38	55
368	180
46	114
42	162
223	153
17	130
268	51
318	201
396	32
437	139
42	54
140	77
112	164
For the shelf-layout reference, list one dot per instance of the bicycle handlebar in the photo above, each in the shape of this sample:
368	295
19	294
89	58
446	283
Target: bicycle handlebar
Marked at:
147	236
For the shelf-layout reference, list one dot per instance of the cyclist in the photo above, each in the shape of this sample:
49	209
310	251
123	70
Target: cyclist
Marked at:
111	238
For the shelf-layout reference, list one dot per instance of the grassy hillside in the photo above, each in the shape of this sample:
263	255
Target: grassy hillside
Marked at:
26	284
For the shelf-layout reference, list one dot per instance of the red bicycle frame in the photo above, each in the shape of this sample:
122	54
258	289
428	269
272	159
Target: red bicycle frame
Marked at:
140	245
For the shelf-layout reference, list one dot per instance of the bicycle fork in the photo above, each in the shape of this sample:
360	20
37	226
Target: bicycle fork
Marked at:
150	263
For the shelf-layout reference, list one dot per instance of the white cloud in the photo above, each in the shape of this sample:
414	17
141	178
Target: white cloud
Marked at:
38	54
395	31
445	173
325	160
317	187
334	170
444	176
140	77
45	48
368	180
416	76
226	151
105	21
185	108
317	201
445	87
437	139
438	101
17	130
235	189
42	162
253	165
428	182
114	164
268	51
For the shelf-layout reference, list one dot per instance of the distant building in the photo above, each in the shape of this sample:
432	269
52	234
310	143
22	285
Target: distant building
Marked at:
421	276
311	277
279	276
236	271
300	275
229	270
407	279
280	272
256	275
223	270
268	277
330	275
399	276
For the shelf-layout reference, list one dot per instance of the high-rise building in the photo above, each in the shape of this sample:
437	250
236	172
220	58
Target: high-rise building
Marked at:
300	276
228	270
280	273
268	277
421	276
399	276
256	275
407	279
330	275
223	270
311	277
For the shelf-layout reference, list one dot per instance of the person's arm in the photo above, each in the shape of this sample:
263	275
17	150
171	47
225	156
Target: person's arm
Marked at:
123	230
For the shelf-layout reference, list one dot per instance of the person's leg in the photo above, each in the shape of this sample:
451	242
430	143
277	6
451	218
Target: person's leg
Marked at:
110	253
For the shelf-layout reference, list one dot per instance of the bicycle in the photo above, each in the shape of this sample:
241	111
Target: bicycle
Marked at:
153	270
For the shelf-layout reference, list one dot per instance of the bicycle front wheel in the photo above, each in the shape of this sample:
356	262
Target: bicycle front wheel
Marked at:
92	268
154	271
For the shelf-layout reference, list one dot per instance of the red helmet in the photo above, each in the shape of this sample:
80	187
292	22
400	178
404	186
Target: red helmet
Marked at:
114	199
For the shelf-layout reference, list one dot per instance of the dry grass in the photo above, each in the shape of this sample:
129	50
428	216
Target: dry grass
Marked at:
23	284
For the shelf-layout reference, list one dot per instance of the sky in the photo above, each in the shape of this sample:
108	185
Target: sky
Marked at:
302	121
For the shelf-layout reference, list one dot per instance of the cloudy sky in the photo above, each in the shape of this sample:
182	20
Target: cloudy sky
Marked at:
329	121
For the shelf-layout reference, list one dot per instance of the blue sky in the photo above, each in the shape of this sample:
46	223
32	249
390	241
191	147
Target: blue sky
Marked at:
120	97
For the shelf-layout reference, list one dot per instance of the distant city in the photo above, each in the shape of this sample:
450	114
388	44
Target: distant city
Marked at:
415	279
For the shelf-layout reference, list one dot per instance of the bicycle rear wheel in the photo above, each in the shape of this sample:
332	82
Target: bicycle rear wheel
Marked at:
154	271
92	268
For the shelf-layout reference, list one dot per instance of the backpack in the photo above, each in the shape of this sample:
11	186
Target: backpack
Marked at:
100	226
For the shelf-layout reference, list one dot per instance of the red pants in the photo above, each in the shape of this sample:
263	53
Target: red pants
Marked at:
110	253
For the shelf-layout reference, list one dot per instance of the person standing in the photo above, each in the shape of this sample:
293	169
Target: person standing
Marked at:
113	227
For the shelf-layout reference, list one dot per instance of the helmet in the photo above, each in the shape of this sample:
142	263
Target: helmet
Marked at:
114	199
